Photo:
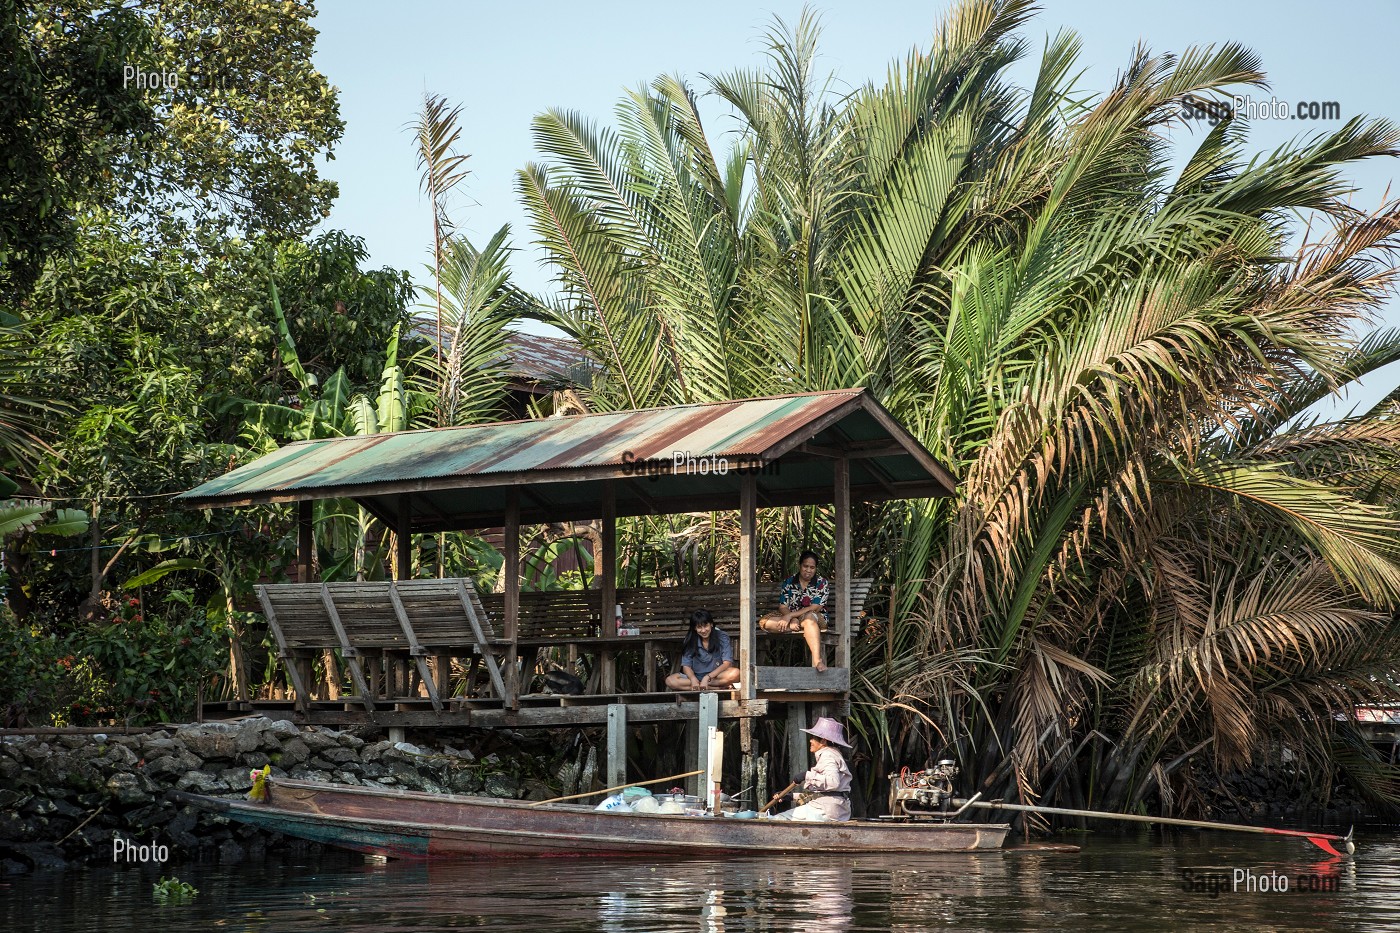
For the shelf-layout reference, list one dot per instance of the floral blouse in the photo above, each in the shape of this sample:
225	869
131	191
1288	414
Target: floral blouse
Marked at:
793	594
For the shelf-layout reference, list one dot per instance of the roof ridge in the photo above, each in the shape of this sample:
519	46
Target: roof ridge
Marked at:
597	414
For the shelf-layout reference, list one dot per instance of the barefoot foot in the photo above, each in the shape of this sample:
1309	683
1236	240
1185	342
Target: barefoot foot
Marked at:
820	666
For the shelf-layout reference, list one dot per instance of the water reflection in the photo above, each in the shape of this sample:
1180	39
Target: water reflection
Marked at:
1117	883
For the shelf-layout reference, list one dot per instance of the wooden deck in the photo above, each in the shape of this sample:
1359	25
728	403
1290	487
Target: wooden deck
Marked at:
533	711
429	652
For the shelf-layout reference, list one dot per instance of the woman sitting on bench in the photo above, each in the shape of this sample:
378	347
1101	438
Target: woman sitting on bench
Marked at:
707	658
802	607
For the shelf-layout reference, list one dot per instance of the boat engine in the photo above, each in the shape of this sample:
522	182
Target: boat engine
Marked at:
923	793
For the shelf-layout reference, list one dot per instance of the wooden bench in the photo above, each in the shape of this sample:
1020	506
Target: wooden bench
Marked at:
386	623
551	618
663	615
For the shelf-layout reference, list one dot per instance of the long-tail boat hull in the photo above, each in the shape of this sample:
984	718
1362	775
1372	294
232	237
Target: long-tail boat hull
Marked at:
407	824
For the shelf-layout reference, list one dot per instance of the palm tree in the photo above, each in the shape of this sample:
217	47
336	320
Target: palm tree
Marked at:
1148	544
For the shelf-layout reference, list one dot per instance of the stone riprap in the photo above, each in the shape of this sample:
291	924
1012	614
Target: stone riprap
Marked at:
68	799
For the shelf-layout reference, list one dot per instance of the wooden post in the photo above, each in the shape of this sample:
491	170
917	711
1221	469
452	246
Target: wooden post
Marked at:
709	718
306	543
511	622
607	654
841	568
746	762
403	540
616	764
798	759
748	587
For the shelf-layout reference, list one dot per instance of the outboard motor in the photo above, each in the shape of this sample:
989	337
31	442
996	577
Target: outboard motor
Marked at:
927	793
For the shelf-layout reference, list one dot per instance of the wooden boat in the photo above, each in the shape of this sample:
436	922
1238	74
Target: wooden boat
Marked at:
413	825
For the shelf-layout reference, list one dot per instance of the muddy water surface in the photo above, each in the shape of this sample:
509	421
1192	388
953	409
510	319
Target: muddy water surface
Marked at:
1149	882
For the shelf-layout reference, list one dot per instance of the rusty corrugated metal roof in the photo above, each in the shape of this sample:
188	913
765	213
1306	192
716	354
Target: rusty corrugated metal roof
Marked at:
529	357
570	451
538	358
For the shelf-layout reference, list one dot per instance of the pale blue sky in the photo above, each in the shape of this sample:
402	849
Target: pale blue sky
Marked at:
506	62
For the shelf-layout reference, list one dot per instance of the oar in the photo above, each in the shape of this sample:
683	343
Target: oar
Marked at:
609	790
1322	840
778	796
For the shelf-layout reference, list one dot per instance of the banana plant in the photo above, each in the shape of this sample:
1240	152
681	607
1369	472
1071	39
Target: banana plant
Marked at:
351	542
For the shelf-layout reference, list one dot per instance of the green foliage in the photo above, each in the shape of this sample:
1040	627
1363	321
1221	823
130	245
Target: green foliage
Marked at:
140	666
146	667
64	116
34	673
1151	541
173	891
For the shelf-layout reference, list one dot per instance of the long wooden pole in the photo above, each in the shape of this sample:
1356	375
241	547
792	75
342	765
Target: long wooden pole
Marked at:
609	790
1317	839
778	796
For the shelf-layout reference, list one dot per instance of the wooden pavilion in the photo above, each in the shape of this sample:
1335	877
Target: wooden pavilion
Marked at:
815	448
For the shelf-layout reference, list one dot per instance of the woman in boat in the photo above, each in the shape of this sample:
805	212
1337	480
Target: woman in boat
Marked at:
828	783
802	607
707	657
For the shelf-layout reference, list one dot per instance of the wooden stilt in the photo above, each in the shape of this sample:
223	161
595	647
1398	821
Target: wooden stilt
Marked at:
617	744
709	718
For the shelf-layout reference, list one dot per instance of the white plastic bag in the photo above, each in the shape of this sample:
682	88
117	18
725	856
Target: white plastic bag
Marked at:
615	803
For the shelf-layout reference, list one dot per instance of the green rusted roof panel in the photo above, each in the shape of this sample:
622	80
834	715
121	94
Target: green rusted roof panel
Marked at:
555	450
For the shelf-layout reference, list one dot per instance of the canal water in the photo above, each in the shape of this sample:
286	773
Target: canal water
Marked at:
1147	882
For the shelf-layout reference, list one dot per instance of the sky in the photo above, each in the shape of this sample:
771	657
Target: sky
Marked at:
507	62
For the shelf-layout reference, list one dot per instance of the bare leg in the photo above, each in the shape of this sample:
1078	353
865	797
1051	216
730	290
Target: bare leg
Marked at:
778	625
679	682
812	634
725	678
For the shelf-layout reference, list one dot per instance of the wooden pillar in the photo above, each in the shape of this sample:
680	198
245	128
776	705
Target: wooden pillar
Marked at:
798	759
403	539
841	568
746	761
748	586
709	718
511	623
607	573
616	764
306	542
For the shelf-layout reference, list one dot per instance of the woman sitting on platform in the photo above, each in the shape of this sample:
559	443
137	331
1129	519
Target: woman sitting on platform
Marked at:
802	607
707	658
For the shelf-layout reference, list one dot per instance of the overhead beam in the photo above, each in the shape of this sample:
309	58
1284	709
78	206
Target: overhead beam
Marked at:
716	502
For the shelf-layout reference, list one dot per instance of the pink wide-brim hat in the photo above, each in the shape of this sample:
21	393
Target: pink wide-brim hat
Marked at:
829	729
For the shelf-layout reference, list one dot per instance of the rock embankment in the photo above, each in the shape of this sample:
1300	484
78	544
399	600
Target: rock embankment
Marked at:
68	799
